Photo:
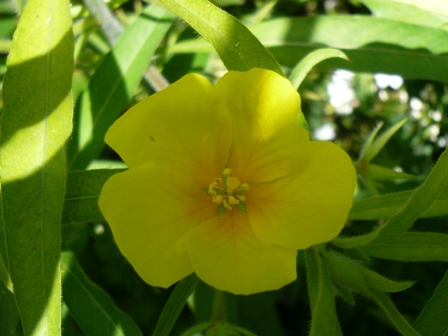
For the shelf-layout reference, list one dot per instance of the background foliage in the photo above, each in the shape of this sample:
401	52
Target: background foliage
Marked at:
386	273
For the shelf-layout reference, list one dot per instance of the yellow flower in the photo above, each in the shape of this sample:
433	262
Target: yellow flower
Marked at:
223	182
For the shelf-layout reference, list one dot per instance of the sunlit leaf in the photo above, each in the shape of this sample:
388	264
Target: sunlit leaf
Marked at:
302	68
434	6
235	44
397	10
36	122
385	45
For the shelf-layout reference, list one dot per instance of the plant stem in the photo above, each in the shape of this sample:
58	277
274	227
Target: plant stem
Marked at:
219	313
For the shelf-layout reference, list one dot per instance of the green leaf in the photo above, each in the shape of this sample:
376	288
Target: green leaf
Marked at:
439	7
369	142
350	274
371	151
324	320
4	276
197	329
174	305
420	200
382	283
92	308
235	44
9	316
385	45
387	306
433	319
114	83
385	206
411	246
300	71
83	191
405	13
375	172
36	123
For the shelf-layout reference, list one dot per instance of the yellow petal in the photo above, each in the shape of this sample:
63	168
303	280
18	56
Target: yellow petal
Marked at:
308	207
185	124
225	253
264	108
148	209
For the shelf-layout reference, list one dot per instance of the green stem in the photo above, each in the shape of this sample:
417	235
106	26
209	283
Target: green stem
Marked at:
219	313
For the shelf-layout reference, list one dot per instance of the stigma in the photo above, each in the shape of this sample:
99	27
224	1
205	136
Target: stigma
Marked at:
228	192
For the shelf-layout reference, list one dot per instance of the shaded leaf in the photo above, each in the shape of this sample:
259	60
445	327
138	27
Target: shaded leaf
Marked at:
433	319
388	307
174	305
9	316
411	246
83	191
324	320
92	308
351	274
369	152
419	201
385	206
382	173
114	83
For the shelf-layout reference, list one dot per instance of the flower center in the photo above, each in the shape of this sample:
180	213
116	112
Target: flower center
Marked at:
228	191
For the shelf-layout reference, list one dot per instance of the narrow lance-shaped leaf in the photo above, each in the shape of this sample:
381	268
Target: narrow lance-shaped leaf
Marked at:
114	83
235	44
9	316
385	45
420	200
411	246
175	304
439	7
302	68
405	12
324	320
433	319
369	152
37	121
92	308
349	274
385	206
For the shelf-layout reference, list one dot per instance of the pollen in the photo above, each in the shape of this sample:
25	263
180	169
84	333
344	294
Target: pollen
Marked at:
228	192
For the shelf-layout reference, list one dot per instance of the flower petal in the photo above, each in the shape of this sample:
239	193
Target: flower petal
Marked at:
225	253
185	124
148	209
264	108
308	207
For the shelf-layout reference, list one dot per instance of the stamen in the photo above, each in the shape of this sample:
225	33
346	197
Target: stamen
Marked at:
228	191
